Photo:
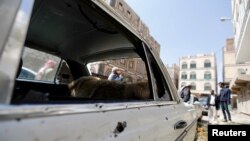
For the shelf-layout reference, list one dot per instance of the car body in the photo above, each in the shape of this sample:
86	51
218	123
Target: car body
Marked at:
77	33
203	103
195	104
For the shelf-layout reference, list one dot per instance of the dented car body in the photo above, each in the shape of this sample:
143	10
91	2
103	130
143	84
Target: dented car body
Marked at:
80	32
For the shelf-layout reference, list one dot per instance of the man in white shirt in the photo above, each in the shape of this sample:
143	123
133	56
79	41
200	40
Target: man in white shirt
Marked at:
211	107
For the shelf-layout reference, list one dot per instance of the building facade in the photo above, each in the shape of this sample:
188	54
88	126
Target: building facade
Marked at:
127	13
174	73
241	26
134	70
240	84
200	71
230	68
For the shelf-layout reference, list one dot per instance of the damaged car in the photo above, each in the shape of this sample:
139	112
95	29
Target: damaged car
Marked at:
72	46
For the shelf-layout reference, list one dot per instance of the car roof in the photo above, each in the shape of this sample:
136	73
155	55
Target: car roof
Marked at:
77	31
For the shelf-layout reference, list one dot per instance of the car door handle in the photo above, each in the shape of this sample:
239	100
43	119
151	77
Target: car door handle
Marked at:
180	124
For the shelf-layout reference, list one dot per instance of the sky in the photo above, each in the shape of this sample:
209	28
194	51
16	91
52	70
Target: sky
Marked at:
186	27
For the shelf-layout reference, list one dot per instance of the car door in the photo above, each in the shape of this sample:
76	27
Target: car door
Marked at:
162	117
183	121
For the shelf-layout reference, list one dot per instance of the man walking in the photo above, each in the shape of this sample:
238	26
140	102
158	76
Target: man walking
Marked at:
225	97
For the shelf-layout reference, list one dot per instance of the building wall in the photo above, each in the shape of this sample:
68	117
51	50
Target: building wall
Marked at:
133	69
239	9
241	28
200	70
230	68
244	99
127	13
241	25
174	73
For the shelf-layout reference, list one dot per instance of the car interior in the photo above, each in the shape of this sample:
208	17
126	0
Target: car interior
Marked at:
78	33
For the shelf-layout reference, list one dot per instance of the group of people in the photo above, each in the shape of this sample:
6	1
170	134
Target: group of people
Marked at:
214	102
116	74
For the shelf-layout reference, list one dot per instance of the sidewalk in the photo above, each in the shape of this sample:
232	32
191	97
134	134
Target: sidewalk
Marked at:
237	119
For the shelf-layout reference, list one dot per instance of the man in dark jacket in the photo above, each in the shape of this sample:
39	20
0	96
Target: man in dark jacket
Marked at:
225	97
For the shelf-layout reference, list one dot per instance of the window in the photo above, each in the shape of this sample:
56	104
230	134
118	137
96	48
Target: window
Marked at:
131	64
184	65
207	87
89	65
122	61
241	71
184	75
193	86
183	84
64	75
193	65
207	64
39	66
192	75
207	75
160	87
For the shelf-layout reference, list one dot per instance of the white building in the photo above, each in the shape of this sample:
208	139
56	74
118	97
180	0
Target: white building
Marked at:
241	82
200	71
230	68
240	19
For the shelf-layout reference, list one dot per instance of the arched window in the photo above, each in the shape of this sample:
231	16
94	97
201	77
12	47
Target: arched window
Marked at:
207	64
241	71
193	65
184	75
193	86
183	84
184	65
192	75
108	71
207	87
207	75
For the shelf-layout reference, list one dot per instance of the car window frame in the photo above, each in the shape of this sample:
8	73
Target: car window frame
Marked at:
13	44
151	58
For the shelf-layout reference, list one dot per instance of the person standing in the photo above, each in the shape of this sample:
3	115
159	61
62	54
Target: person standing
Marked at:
211	103
46	72
217	107
116	74
225	97
186	93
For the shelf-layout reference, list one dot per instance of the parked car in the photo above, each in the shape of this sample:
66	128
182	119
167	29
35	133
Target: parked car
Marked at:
194	102
27	73
203	102
74	34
